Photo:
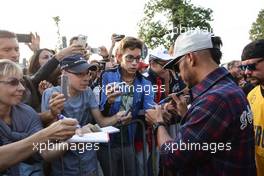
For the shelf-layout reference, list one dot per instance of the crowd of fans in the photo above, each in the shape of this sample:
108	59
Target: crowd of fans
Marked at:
182	96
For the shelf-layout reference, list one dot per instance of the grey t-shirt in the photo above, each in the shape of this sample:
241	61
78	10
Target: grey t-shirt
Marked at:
74	162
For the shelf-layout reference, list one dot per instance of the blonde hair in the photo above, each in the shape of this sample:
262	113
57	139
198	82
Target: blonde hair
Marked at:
8	68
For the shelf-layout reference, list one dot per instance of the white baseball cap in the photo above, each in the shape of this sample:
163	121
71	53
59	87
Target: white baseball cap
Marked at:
190	41
160	54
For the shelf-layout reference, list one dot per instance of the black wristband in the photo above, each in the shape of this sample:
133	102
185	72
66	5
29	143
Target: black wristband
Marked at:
156	125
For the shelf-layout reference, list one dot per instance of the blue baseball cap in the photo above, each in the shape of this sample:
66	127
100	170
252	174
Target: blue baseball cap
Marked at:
76	63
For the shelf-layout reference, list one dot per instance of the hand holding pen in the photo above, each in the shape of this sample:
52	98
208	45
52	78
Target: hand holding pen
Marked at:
61	117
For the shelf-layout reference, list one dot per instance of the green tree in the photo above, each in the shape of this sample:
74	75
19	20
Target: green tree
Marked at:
57	20
164	20
257	28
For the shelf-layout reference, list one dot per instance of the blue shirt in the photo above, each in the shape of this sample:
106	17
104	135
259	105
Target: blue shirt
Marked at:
74	162
143	97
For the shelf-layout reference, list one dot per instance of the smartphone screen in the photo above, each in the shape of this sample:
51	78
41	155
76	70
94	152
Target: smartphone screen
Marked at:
82	40
95	50
65	86
23	38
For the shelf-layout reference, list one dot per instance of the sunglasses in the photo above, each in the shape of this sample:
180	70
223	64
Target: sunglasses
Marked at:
250	67
177	64
14	82
160	63
82	74
131	58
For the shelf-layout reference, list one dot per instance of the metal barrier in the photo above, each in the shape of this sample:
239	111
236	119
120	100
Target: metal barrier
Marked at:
140	124
154	153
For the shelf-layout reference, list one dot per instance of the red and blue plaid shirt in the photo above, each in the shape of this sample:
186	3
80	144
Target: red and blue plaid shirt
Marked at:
216	135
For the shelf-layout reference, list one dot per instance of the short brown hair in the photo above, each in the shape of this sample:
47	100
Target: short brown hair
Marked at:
7	34
131	43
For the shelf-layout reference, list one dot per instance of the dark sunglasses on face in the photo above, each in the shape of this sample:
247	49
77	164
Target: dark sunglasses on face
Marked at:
14	82
176	65
82	74
250	67
131	58
160	63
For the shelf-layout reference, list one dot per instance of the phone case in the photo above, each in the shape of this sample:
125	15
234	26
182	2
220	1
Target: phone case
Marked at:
82	39
65	86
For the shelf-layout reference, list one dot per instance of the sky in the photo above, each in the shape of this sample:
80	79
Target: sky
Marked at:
98	19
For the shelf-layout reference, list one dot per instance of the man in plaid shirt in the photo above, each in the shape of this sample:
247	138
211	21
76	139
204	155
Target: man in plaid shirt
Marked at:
216	133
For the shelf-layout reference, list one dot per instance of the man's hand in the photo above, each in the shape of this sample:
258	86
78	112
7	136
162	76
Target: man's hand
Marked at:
35	42
71	50
61	130
43	85
123	118
112	92
89	128
166	115
103	52
154	115
56	103
179	103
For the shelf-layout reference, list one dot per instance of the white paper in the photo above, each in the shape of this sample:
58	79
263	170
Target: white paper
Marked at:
110	129
101	137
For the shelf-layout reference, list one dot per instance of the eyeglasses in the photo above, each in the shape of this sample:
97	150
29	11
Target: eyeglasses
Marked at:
131	58
250	67
176	65
14	82
82	74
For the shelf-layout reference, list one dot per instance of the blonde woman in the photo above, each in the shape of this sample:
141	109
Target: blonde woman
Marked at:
18	122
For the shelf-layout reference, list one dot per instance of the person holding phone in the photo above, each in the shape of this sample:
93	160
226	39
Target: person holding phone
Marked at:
81	105
116	96
219	116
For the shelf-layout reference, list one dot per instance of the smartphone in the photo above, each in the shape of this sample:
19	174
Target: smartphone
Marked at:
23	38
24	62
82	40
167	99
64	41
127	111
65	86
118	37
95	50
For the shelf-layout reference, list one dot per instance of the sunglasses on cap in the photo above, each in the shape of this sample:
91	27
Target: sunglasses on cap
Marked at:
250	67
14	82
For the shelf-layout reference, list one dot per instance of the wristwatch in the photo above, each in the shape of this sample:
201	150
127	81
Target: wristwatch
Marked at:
156	125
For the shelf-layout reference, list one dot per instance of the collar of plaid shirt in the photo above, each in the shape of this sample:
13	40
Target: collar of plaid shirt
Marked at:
208	82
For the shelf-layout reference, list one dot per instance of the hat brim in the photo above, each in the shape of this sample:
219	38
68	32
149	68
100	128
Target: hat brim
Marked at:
170	64
82	67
